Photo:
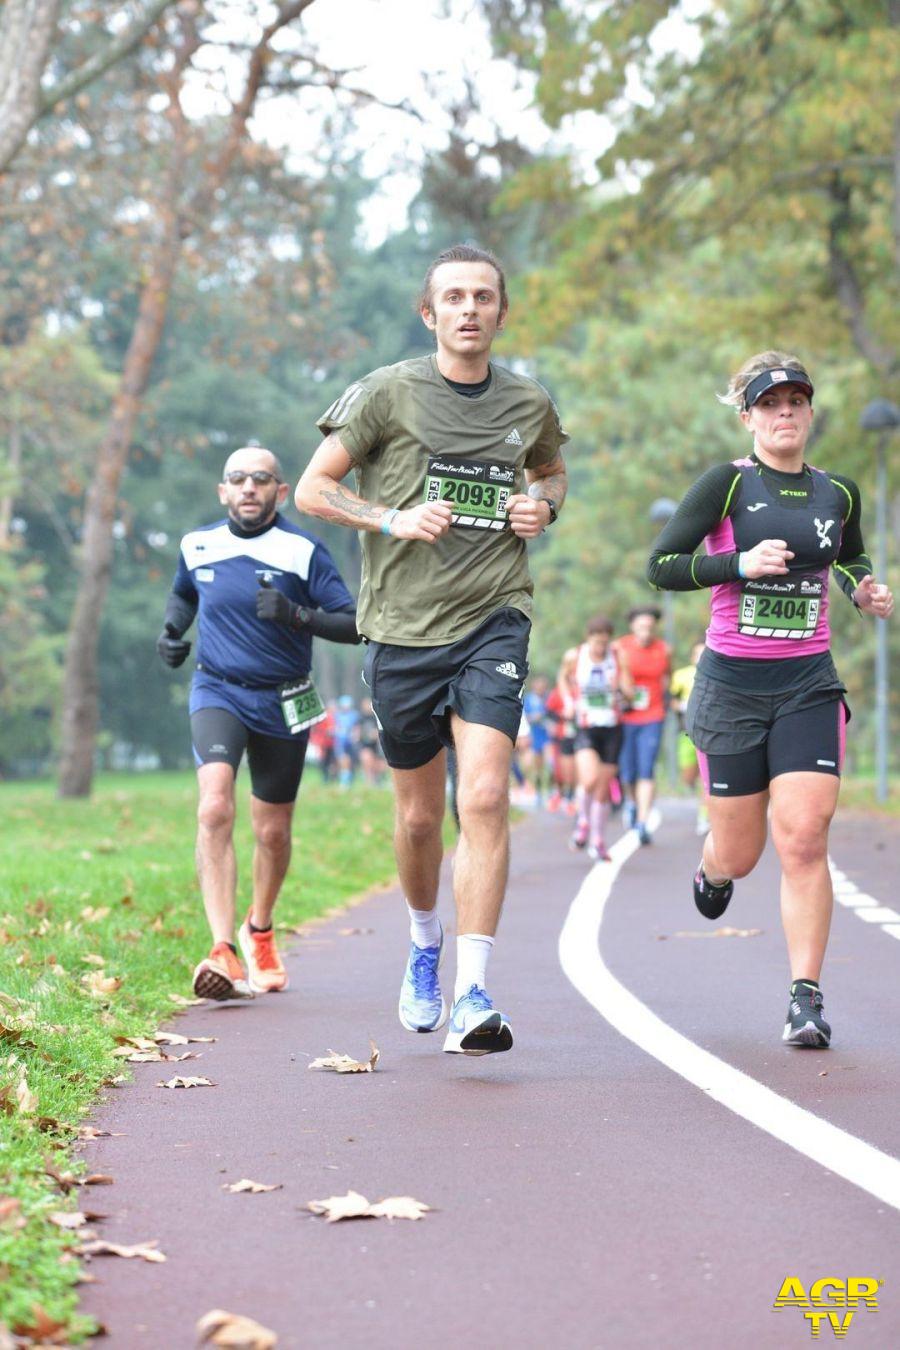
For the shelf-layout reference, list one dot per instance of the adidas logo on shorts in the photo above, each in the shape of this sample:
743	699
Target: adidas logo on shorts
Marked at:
508	668
514	438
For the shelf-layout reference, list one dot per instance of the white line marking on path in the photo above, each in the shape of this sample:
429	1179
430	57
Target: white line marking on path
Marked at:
847	893
579	954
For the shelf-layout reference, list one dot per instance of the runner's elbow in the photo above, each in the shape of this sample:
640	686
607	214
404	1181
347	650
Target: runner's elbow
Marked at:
307	496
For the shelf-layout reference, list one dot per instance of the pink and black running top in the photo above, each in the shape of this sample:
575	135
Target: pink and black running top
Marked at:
731	509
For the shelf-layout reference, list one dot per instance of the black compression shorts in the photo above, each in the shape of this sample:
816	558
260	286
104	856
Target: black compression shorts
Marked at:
276	763
604	741
415	689
804	740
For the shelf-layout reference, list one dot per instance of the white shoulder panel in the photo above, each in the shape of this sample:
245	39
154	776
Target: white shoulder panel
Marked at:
202	547
278	549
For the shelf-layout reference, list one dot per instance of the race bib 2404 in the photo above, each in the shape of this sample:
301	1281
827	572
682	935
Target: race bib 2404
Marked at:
780	607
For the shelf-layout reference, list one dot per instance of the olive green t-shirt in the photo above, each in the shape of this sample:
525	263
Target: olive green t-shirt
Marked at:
412	438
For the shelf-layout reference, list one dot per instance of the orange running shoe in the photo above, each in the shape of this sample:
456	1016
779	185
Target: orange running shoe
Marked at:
221	976
267	972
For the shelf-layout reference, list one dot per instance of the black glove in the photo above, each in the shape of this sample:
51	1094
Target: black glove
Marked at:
172	648
271	604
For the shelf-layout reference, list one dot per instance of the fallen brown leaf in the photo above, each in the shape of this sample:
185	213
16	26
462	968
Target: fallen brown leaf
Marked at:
92	959
91	1132
173	1038
41	1328
234	1332
147	1251
67	1218
186	1083
99	985
184	1002
98	1179
25	1098
125	1044
344	1064
399	1207
356	1206
92	915
65	1180
11	1212
254	1187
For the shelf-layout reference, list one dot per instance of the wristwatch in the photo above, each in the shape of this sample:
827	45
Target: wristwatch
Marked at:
553	511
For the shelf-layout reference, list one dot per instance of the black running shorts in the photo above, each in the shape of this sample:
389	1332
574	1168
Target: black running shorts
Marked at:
415	689
604	741
802	740
276	763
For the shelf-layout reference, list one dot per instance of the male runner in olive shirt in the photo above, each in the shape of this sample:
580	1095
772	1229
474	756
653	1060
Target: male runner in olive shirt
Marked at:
457	464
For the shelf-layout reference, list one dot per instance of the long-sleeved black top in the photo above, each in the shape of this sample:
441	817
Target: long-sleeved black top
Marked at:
676	566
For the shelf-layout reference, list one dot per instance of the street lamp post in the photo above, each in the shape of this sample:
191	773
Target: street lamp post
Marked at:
884	417
662	510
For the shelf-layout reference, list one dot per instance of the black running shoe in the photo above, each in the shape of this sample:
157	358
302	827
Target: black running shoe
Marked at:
712	901
805	1024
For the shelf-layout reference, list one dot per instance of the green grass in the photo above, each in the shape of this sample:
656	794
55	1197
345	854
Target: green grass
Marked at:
858	794
113	877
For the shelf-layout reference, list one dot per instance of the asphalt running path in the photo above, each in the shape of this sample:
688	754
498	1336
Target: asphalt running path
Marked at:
585	1195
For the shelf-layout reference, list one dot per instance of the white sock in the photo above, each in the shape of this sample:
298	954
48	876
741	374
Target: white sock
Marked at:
472	952
424	926
598	817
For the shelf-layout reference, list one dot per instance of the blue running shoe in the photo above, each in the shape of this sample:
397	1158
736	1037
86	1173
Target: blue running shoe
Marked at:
476	1028
422	1006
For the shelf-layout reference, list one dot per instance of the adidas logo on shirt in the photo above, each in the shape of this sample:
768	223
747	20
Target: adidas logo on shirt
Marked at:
514	438
508	668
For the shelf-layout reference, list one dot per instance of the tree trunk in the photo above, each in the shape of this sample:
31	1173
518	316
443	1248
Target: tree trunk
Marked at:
847	285
81	678
7	501
81	713
26	31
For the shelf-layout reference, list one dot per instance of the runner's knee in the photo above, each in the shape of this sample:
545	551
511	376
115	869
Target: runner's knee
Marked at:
801	838
484	797
419	819
273	835
215	811
736	857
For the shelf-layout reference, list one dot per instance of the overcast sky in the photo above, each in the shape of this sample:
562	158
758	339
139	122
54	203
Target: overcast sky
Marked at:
421	51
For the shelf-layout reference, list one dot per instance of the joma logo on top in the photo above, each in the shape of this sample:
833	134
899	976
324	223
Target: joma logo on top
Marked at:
832	1302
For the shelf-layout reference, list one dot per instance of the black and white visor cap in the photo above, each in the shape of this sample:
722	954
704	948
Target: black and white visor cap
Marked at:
774	376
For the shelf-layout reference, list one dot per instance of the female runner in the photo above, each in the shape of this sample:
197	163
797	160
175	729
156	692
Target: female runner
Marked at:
767	710
601	680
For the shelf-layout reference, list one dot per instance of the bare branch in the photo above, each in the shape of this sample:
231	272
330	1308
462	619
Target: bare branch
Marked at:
289	84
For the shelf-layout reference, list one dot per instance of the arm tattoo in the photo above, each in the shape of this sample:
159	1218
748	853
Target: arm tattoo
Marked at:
345	504
552	487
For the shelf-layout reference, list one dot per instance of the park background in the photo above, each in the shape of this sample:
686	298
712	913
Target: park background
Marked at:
226	220
213	217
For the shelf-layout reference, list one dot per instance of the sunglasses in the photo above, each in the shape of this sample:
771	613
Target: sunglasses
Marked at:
261	477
